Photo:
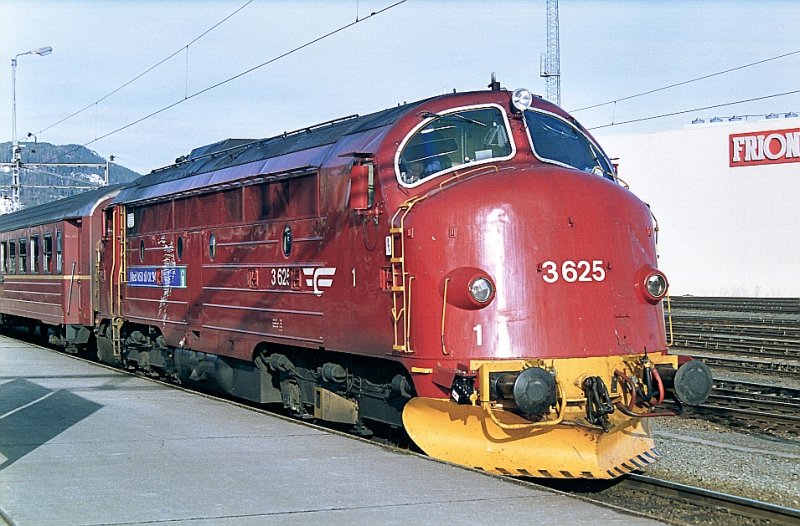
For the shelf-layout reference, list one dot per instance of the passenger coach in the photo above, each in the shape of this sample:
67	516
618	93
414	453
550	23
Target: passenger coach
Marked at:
49	274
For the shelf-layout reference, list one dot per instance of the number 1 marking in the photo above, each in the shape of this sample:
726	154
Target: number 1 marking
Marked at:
478	329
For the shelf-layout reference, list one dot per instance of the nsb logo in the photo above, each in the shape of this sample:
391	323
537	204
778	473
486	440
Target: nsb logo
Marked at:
319	278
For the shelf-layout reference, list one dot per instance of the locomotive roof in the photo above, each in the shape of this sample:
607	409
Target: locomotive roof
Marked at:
78	205
233	159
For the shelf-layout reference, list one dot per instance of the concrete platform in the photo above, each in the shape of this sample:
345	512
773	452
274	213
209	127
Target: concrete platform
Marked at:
85	445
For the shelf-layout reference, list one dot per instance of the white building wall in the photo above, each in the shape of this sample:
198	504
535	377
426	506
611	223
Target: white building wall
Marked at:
724	231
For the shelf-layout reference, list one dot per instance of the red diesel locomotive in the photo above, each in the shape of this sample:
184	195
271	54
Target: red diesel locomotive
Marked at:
466	268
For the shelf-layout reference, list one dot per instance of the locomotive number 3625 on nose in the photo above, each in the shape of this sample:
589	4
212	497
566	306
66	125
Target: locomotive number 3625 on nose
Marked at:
572	271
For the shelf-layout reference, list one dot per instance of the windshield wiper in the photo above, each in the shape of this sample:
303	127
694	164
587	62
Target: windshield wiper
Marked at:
429	114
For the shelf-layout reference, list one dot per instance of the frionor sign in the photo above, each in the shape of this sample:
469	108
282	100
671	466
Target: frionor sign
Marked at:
767	147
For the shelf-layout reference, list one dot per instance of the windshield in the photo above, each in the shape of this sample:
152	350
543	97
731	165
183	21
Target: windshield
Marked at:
454	139
556	140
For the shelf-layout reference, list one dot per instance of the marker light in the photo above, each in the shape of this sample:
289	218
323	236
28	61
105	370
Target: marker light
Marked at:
521	99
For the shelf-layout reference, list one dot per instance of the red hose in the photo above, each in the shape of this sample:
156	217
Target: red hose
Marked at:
628	410
660	386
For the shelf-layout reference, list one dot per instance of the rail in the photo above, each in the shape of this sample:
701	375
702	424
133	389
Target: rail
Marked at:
766	406
734	331
714	501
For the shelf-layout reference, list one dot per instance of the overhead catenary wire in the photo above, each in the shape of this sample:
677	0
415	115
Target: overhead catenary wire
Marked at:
689	81
51	173
681	112
187	97
184	48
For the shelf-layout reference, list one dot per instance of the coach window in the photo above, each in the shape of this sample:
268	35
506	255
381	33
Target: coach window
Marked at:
59	258
4	256
34	254
463	136
12	256
558	141
23	255
48	253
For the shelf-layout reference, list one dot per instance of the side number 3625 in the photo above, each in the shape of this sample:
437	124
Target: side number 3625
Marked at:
572	271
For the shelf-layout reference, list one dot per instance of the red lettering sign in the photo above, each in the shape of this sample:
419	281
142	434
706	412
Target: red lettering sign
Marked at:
767	147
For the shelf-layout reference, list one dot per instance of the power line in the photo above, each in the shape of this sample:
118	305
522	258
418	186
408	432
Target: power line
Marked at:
239	75
704	77
148	70
695	110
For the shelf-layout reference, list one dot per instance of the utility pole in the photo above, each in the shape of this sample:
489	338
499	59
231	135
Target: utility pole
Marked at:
16	151
550	65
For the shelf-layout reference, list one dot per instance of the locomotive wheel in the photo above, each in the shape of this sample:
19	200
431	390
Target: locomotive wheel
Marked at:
466	435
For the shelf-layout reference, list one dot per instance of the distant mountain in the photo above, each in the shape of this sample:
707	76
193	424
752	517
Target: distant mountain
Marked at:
42	184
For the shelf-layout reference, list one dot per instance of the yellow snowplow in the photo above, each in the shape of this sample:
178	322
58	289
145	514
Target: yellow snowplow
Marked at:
518	422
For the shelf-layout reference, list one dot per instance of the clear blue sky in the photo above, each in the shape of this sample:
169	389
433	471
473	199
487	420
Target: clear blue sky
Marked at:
609	50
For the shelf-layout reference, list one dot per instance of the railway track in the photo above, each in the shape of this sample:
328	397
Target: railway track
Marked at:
730	304
768	407
676	503
756	391
743	363
738	334
728	507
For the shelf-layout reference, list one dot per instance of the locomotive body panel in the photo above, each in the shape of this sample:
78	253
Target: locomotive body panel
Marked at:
283	270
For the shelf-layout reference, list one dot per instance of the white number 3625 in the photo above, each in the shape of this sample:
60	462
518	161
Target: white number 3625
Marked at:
572	271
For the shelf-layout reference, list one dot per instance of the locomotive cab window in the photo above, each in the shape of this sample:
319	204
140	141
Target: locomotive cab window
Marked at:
462	136
556	140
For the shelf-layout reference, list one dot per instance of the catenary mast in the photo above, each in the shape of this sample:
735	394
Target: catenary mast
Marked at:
550	67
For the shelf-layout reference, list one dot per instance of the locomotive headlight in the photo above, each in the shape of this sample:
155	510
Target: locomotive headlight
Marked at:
521	99
655	286
481	290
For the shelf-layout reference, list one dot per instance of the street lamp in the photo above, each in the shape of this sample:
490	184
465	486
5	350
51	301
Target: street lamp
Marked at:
16	154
